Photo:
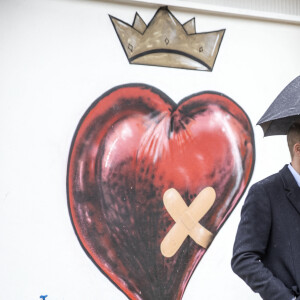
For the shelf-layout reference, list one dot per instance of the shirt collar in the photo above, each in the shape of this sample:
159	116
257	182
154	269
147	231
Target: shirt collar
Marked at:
295	174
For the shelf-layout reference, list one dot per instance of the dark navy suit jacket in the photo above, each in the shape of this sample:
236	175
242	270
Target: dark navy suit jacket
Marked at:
266	253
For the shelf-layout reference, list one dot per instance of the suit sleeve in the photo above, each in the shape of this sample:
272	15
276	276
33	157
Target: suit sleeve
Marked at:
250	246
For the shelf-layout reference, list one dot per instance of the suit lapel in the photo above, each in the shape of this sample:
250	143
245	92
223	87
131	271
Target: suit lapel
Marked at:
291	188
294	198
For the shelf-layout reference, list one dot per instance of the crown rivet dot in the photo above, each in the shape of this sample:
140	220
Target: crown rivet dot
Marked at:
130	47
201	49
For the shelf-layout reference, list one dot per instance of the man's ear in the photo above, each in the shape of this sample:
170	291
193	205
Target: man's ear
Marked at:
297	149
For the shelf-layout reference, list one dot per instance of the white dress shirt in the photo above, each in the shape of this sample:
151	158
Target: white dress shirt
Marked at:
295	174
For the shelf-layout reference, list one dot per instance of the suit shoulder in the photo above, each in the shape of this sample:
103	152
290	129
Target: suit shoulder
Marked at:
261	194
268	182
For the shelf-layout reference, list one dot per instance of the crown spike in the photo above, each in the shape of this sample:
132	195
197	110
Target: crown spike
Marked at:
190	26
139	24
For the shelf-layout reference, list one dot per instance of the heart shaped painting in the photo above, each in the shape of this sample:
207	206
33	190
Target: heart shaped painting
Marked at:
132	145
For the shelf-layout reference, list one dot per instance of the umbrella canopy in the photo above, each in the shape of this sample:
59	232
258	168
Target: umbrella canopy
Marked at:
283	112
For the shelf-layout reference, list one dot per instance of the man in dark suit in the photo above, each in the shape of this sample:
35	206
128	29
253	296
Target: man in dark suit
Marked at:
266	253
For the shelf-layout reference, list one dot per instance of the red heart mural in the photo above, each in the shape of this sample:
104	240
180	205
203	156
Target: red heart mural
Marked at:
132	145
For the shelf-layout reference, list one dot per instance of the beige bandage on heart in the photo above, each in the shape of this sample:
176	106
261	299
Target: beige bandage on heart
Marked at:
187	220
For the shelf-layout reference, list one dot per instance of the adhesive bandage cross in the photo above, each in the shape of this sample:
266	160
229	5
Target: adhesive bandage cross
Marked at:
187	220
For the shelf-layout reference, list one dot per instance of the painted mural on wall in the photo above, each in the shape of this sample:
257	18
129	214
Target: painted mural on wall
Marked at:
133	148
166	42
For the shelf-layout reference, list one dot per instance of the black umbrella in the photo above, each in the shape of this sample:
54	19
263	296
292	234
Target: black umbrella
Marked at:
283	112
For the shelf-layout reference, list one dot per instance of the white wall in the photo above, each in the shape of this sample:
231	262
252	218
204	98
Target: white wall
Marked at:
56	57
290	7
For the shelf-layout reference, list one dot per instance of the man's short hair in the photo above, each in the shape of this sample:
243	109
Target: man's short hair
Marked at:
293	137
